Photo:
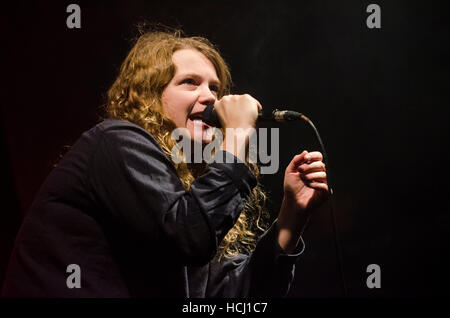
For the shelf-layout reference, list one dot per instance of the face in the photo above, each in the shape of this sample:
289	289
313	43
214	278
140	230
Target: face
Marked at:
194	86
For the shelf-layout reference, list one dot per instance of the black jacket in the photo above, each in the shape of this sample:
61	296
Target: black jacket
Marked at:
115	206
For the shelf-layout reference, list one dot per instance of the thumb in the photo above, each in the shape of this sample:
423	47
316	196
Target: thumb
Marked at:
296	162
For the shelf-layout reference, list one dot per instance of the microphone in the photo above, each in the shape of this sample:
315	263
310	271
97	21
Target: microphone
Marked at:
210	116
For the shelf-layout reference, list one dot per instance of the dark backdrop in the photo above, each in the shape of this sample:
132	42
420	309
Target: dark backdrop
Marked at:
378	96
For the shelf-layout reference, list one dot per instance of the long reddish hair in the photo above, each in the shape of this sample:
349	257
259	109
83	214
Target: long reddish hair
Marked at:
135	96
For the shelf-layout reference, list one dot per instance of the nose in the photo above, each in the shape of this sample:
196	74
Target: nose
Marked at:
206	96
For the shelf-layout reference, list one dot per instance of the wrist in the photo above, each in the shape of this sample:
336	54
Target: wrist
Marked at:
290	224
291	216
290	203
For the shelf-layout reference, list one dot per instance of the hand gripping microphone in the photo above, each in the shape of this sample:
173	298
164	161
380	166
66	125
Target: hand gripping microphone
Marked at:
210	116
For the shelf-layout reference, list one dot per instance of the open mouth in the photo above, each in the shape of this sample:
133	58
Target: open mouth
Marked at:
201	130
197	116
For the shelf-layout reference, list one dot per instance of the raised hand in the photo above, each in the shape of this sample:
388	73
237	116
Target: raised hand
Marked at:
305	181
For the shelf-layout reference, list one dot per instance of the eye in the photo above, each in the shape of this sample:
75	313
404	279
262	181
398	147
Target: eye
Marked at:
189	81
214	88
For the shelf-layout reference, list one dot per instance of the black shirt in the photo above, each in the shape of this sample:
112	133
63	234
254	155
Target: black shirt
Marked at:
115	207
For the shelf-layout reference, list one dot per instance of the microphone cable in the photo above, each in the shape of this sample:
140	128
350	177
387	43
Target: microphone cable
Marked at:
331	201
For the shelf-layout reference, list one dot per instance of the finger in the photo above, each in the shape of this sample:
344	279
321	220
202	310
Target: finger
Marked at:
314	166
297	161
319	186
315	176
314	156
250	97
259	105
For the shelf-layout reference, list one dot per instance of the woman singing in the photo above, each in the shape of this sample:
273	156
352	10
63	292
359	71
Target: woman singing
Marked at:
117	217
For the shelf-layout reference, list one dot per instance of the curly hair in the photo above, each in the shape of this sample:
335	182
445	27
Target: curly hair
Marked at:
135	96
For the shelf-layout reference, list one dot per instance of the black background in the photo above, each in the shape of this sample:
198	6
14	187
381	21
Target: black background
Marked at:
379	98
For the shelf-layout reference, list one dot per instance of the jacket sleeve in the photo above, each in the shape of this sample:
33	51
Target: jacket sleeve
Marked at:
267	272
135	182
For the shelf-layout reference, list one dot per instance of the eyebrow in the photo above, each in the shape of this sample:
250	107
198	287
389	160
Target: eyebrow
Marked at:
214	81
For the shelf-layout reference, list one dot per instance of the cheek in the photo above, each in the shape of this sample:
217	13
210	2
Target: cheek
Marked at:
175	107
190	126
